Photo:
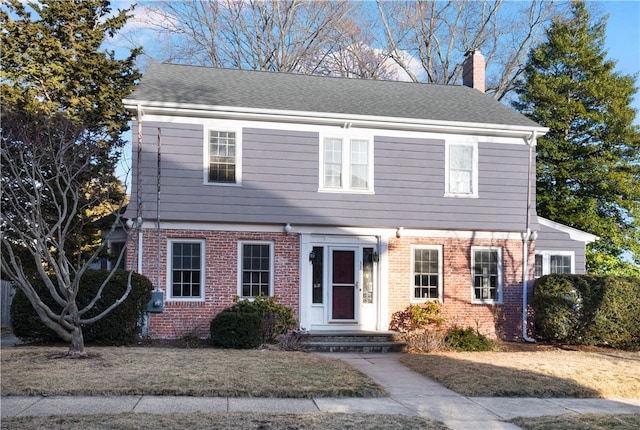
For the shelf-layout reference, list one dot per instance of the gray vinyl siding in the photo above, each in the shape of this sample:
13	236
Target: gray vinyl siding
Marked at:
550	239
280	178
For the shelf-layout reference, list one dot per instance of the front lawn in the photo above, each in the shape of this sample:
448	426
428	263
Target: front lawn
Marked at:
540	372
31	370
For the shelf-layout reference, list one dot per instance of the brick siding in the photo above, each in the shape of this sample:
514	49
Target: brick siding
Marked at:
494	320
182	318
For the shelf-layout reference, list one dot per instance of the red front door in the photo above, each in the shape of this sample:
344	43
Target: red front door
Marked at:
343	285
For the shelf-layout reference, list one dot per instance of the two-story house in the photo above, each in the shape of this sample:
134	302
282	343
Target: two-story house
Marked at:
347	199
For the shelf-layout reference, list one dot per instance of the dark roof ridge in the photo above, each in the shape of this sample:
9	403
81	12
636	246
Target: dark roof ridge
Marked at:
346	78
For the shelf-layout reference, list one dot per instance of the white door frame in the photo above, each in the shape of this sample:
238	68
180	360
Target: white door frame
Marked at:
318	316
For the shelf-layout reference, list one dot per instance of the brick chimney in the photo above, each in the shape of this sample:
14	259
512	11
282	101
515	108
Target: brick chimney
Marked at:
473	70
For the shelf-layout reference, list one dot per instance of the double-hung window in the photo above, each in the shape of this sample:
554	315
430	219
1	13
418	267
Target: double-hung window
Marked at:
223	163
346	164
256	269
427	273
549	262
461	170
186	270
486	272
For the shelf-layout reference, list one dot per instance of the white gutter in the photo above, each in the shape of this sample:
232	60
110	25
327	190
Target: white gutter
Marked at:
526	236
336	119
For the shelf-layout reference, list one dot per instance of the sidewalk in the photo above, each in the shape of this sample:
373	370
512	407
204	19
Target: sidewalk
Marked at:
410	394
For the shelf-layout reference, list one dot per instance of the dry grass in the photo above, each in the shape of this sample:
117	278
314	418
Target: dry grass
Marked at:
543	373
187	372
232	420
580	422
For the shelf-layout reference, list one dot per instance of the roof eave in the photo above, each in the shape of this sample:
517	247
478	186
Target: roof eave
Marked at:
328	118
574	233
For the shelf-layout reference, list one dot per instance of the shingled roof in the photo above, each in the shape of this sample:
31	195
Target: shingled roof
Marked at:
174	84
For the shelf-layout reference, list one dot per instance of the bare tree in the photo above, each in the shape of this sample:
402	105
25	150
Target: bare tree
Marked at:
354	54
422	41
439	33
261	35
51	180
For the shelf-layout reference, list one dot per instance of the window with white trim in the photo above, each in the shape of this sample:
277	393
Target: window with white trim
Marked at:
549	262
255	269
346	164
427	273
185	270
461	170
538	270
486	271
223	163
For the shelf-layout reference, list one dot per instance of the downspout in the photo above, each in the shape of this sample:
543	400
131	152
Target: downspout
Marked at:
526	236
158	263
139	189
378	284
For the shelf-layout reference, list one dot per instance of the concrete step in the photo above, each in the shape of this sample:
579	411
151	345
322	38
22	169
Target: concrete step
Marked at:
353	342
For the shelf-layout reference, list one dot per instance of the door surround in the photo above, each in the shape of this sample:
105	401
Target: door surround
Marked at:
316	295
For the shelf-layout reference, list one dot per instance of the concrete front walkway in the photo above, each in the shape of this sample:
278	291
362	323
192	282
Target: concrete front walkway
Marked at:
416	394
410	394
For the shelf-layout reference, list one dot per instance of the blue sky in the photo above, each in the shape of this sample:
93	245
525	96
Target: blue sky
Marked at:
623	38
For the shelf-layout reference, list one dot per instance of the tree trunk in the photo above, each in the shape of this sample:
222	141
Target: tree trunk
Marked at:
76	348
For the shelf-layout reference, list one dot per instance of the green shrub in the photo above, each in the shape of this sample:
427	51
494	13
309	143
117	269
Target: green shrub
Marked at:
558	307
118	327
276	318
238	330
468	339
588	310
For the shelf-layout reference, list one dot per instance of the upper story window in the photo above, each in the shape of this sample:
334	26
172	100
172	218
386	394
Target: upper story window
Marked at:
486	270
186	270
548	262
346	164
224	154
461	170
427	273
256	271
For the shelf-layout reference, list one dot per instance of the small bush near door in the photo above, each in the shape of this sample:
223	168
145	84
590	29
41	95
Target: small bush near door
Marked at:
236	327
276	319
468	339
237	330
421	327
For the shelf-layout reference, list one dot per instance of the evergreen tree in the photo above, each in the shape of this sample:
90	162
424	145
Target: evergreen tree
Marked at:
62	120
588	164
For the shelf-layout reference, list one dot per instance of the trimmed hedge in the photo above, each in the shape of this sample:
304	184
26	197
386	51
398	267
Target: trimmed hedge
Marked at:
118	327
588	310
238	330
